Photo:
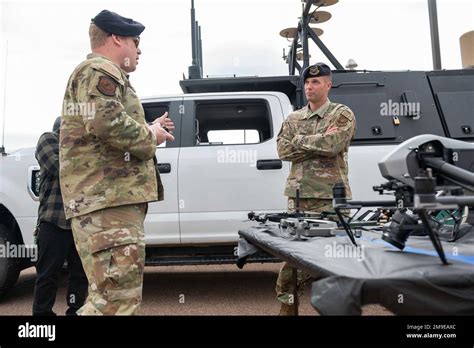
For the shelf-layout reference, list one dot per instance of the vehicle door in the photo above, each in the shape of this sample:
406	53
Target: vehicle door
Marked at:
228	165
162	220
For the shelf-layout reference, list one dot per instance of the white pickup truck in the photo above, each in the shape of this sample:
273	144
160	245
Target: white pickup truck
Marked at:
224	163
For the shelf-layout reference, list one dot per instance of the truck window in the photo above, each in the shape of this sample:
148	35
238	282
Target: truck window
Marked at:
155	109
231	122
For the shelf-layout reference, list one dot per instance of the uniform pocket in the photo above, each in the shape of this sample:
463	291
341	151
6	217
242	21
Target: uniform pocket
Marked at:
110	239
114	259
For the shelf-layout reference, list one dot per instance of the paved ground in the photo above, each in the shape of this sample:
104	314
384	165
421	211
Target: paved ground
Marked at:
188	290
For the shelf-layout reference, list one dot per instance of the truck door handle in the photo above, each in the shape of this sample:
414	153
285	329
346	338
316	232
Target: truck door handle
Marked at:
164	168
269	164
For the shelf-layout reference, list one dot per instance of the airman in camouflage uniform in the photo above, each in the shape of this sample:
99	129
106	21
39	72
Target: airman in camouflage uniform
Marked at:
107	169
315	139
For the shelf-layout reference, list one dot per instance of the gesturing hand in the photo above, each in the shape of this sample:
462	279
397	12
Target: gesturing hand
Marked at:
160	134
165	122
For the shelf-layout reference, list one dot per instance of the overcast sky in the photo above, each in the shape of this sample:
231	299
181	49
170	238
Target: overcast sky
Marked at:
46	40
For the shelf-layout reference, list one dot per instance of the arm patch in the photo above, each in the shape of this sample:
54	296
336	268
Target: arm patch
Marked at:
345	117
107	86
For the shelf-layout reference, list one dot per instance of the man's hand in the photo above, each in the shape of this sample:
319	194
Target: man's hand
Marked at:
160	134
165	122
331	130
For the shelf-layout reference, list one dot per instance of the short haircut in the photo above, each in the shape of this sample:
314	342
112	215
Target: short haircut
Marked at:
327	77
97	36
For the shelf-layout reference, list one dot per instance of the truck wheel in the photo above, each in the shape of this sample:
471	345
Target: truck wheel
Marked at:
10	267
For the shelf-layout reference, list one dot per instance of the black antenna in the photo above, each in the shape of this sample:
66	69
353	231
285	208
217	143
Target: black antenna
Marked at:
435	48
2	148
195	70
200	49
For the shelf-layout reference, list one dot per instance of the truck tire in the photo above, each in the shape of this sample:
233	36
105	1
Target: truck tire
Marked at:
9	267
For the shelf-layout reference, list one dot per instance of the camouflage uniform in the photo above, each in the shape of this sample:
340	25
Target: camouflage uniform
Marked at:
107	176
318	162
112	249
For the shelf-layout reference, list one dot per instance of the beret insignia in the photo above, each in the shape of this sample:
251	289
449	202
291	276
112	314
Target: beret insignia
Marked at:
314	70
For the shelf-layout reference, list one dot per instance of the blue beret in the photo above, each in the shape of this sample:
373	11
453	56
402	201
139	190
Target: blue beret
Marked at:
316	70
113	23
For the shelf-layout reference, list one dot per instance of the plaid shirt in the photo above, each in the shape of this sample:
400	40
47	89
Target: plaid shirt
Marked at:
51	207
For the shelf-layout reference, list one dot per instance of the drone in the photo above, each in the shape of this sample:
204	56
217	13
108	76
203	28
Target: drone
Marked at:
426	174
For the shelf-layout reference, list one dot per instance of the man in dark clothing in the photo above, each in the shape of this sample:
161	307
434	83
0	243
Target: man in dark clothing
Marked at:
54	235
